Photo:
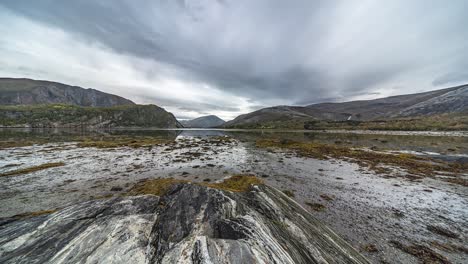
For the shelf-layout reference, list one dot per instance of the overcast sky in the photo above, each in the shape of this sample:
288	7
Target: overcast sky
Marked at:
228	57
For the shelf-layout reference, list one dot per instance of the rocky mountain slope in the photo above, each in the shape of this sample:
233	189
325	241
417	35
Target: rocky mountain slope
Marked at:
454	101
41	104
31	92
204	122
446	101
268	115
43	116
188	224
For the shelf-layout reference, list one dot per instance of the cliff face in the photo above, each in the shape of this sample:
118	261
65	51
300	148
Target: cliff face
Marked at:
32	92
42	116
189	224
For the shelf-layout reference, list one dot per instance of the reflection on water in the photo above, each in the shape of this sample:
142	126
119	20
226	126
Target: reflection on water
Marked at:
447	145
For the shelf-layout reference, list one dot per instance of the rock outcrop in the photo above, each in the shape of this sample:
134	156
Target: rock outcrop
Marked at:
188	224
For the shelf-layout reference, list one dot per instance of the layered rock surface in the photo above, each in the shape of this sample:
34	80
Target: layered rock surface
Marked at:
189	224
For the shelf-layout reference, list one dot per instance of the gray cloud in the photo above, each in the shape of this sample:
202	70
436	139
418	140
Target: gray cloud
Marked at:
265	52
458	74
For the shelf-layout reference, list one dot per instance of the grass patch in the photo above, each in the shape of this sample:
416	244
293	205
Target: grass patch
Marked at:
236	183
159	187
32	169
375	161
15	144
155	186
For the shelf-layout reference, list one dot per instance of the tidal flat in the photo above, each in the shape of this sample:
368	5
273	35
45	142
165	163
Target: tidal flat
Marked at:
397	198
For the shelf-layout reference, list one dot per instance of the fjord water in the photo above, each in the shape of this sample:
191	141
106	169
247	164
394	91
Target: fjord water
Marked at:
362	206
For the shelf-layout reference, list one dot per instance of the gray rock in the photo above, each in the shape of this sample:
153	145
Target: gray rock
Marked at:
190	224
111	231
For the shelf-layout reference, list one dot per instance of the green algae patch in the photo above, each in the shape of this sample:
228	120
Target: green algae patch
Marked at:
160	186
236	183
116	142
32	169
376	161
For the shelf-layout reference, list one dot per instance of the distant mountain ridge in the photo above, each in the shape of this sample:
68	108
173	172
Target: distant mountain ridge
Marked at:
209	121
444	101
32	92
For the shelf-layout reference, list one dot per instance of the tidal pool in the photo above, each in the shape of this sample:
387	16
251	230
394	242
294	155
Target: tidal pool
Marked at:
383	215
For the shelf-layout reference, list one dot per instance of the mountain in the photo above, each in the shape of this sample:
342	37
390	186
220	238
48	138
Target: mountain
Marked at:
444	102
187	224
266	116
455	101
32	92
40	104
204	122
394	106
59	115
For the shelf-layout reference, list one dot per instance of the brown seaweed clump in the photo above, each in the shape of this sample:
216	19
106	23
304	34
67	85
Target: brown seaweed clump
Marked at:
32	169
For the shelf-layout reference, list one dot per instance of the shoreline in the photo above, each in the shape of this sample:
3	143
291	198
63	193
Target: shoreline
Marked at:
457	133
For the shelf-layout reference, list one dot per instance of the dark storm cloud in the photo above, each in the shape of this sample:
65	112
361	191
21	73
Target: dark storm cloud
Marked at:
273	51
157	30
